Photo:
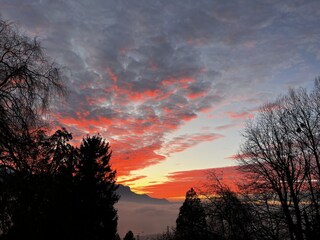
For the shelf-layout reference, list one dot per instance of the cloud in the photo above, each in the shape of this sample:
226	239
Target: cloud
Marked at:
226	126
239	156
240	115
137	74
126	181
183	142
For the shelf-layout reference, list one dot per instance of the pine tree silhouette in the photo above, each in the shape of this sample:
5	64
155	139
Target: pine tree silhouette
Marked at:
191	222
96	190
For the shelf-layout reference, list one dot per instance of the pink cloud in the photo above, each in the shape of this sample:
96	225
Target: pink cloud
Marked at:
181	81
112	75
128	157
196	95
240	115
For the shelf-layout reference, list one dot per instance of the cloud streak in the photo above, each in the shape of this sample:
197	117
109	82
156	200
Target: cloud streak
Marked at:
183	142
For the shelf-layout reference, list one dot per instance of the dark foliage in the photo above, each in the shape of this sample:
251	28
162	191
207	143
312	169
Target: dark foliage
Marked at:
129	236
38	200
96	188
191	222
70	192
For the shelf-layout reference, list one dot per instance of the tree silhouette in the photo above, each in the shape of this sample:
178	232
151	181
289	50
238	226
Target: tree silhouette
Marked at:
129	236
191	222
38	202
28	81
281	157
228	215
70	193
48	188
96	190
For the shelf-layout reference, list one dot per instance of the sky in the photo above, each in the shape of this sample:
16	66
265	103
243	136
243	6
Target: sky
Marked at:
171	83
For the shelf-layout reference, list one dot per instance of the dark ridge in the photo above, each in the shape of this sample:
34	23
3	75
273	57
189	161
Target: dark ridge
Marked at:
127	195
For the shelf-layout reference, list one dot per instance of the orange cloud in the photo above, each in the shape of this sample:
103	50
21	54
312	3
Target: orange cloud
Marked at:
126	181
180	182
196	95
89	125
126	92
143	95
128	157
137	142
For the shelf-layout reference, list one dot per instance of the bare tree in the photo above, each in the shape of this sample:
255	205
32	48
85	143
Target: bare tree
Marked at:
228	215
267	218
303	113
28	81
280	155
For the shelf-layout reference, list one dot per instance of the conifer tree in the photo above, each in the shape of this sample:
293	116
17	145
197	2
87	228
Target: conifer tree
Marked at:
96	190
191	222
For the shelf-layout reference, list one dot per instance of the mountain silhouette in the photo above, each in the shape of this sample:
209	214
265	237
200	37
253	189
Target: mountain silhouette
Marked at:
128	196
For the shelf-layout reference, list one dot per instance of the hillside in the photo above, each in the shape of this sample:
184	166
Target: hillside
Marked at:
129	196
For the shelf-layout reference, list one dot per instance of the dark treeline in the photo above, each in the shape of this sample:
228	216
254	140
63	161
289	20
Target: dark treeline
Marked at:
49	189
69	192
279	194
